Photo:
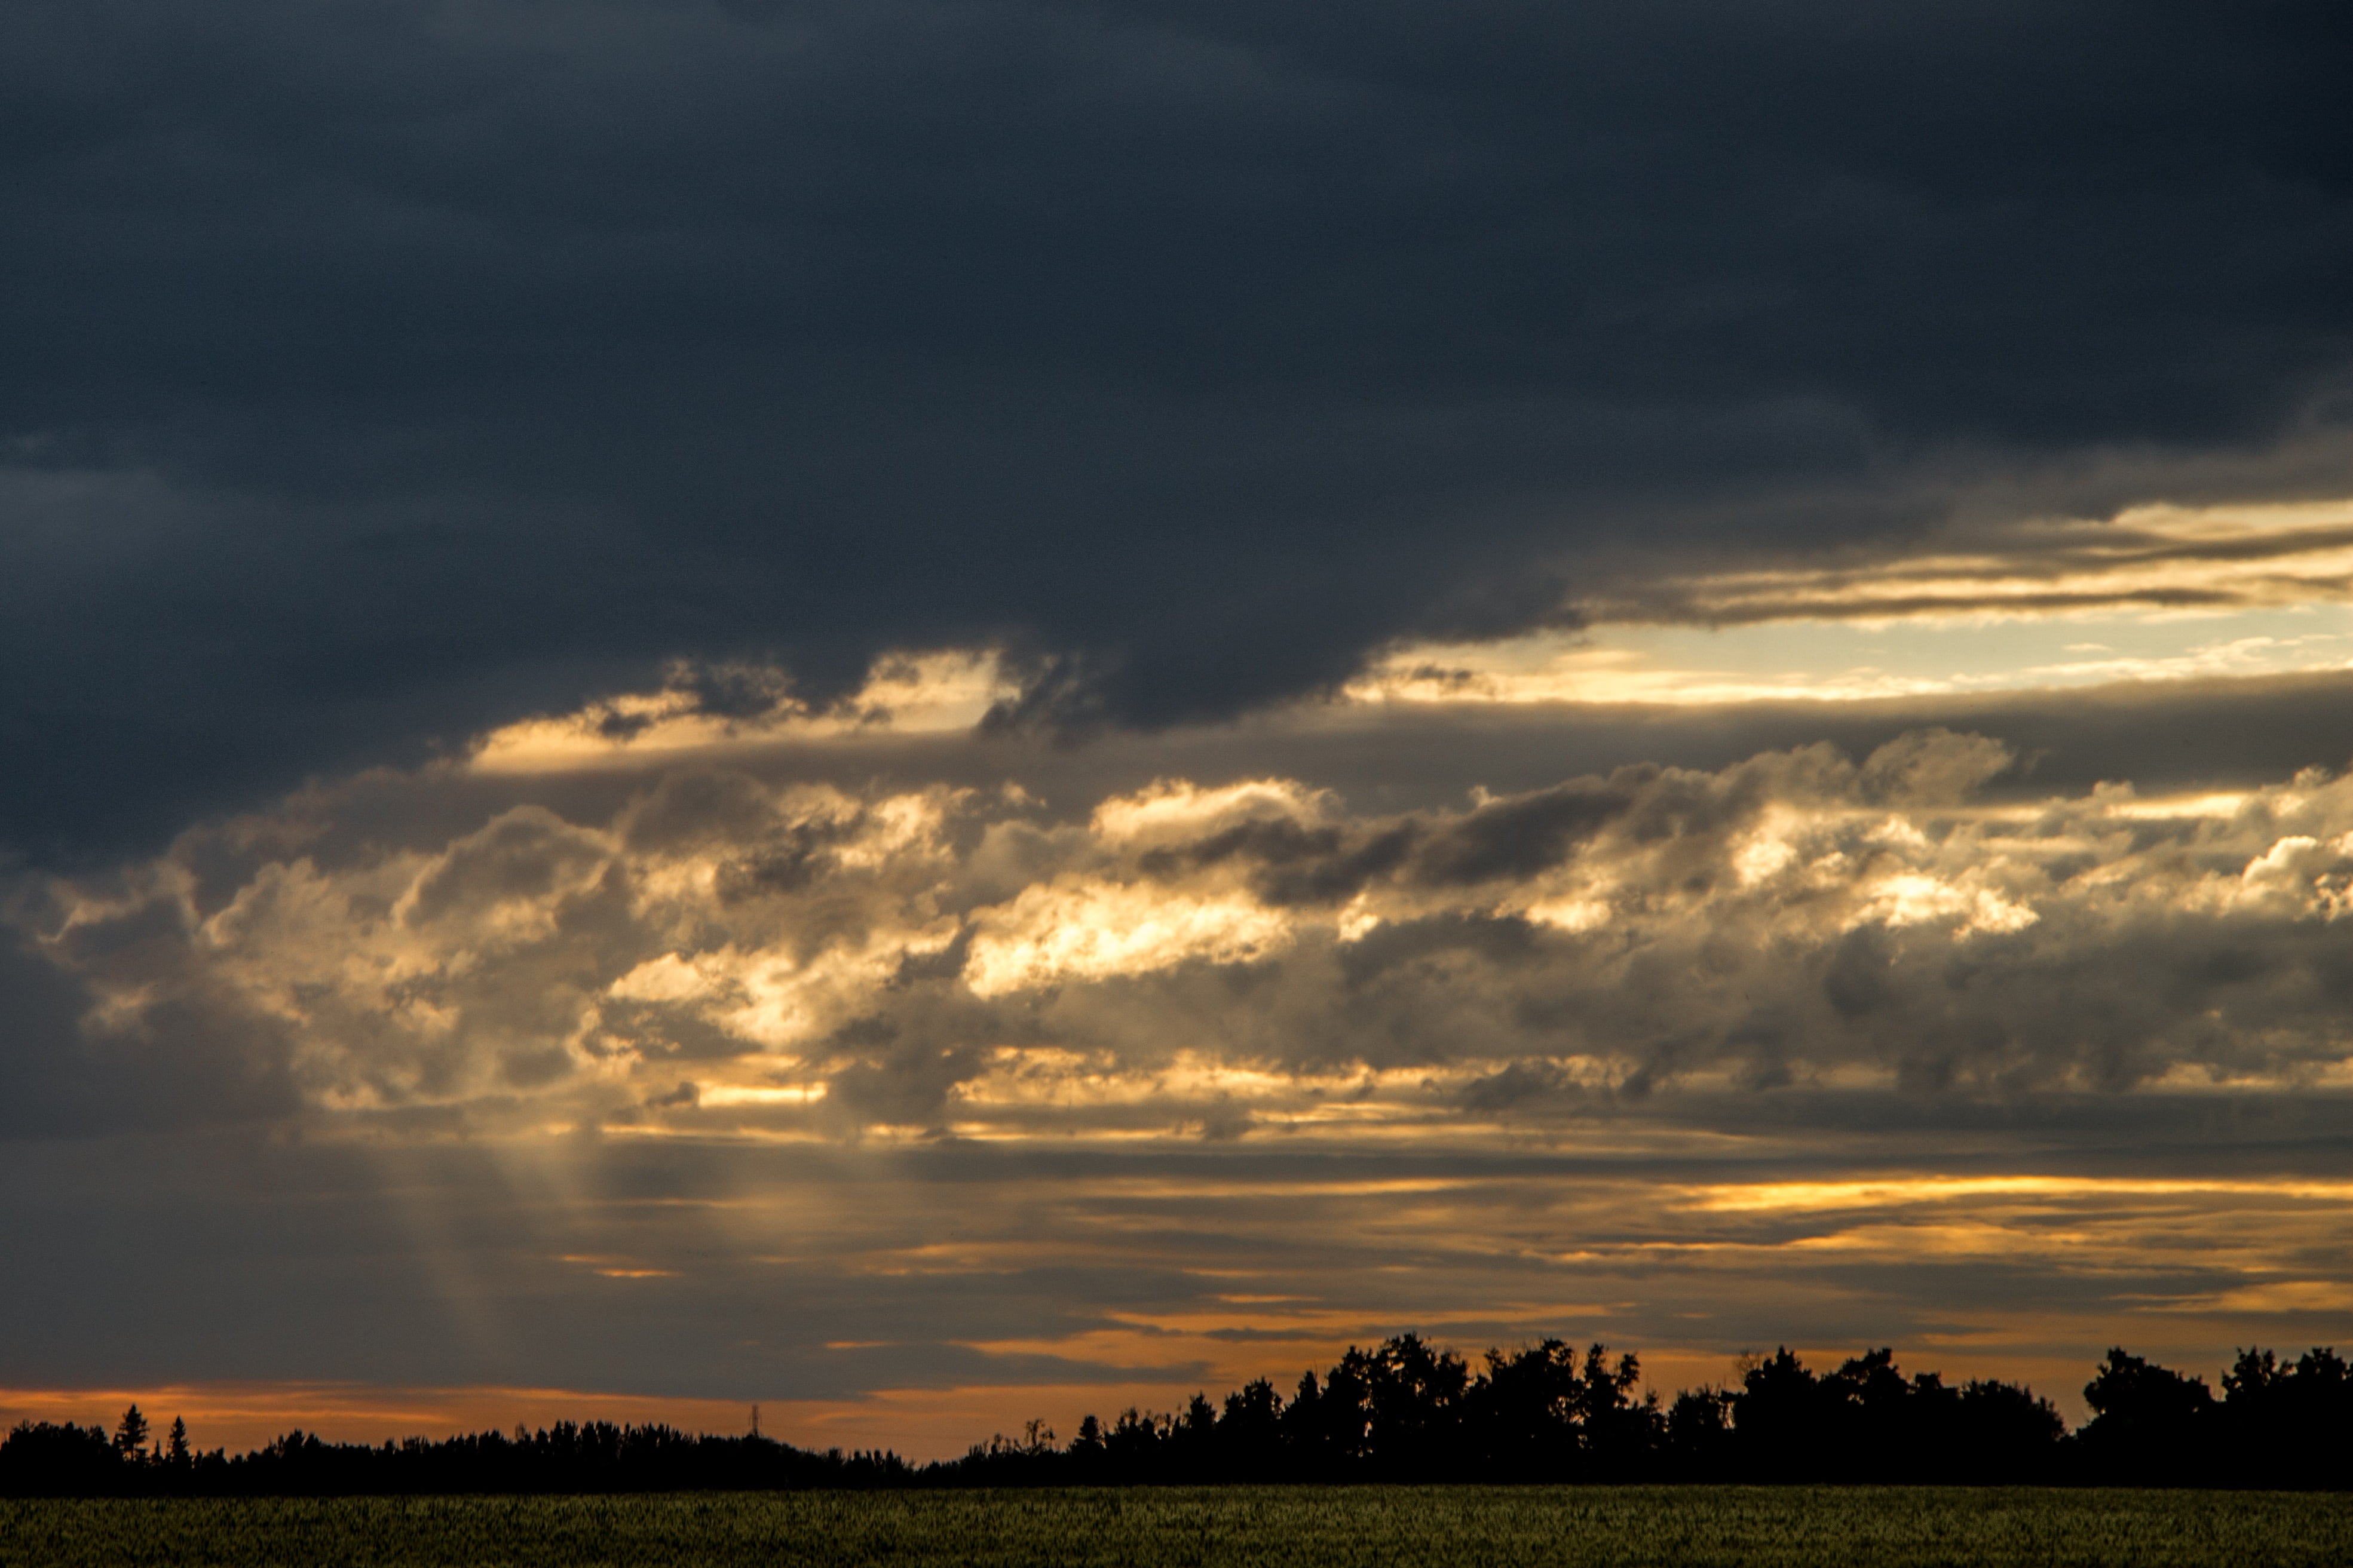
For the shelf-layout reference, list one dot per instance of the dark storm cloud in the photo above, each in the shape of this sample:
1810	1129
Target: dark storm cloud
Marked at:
380	371
67	1070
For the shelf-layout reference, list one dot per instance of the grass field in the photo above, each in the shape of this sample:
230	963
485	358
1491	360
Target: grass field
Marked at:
1354	1526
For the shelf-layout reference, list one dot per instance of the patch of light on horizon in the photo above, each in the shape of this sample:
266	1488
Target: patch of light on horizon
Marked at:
1851	661
2157	593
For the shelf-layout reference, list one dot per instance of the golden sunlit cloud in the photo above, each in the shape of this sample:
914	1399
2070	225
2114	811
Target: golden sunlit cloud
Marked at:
904	694
2149	557
1799	1196
1218	963
2157	593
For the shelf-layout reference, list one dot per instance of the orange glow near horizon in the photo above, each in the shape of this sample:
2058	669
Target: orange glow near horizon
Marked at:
919	1424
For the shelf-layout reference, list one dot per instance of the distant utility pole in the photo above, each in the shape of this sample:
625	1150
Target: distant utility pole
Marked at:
755	1421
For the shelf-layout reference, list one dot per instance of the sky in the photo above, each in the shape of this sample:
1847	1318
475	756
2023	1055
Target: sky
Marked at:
940	713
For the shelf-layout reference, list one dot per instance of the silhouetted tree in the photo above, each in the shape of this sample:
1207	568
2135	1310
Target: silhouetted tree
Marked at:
2148	1423
1524	1412
1192	1441
1324	1427
2001	1433
1413	1405
1250	1433
131	1436
1132	1446
1618	1434
1699	1444
1780	1420
42	1460
2287	1425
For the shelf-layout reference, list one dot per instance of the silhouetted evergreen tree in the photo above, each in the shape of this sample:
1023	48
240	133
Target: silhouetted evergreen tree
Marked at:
130	1435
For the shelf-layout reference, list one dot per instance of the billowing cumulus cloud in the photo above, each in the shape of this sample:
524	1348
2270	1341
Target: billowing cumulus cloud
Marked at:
815	961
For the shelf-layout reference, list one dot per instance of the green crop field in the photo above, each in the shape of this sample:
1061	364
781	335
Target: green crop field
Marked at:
1291	1527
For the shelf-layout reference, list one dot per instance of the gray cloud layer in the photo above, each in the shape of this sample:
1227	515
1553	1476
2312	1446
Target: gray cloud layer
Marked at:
378	373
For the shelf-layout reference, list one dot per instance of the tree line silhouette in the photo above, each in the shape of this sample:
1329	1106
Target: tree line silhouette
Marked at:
1402	1411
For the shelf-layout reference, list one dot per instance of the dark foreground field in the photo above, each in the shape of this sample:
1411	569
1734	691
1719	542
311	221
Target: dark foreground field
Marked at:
1296	1528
